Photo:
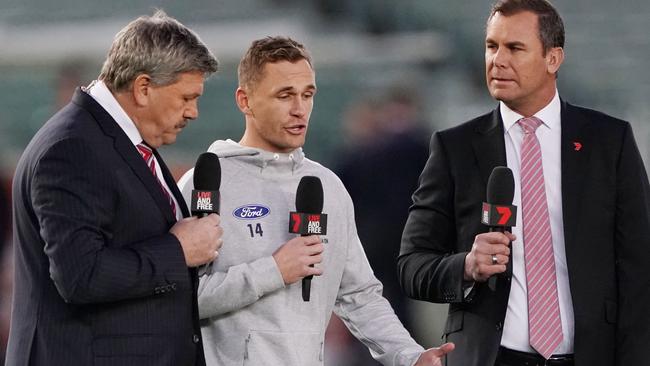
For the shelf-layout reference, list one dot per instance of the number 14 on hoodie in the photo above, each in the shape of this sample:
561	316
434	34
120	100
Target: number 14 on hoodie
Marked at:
255	231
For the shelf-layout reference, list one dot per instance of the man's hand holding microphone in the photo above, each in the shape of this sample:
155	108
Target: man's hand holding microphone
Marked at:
200	235
490	252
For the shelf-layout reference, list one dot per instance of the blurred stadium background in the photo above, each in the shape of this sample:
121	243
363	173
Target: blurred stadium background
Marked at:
431	50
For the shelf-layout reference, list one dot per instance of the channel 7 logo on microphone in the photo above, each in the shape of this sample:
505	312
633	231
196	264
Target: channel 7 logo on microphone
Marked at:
307	224
499	215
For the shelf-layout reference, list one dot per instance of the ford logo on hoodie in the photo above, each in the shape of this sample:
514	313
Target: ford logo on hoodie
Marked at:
251	212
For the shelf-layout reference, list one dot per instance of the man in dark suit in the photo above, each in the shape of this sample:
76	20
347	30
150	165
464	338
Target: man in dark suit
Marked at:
105	264
572	283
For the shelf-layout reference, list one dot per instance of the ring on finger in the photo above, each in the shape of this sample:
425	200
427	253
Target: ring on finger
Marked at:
494	259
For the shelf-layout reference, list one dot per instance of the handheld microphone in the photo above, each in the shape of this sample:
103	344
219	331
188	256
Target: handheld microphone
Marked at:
308	218
207	180
498	212
205	195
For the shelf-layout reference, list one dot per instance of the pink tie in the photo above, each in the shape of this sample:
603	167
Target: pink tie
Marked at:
544	323
147	155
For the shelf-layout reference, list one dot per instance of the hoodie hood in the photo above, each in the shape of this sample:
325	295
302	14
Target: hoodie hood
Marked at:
261	158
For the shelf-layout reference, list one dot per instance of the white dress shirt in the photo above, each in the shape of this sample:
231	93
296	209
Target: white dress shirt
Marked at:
515	328
100	92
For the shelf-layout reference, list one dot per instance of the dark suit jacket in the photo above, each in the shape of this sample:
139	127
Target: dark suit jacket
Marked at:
99	280
606	209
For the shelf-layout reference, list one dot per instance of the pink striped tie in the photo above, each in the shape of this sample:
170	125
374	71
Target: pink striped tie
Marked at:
544	323
147	155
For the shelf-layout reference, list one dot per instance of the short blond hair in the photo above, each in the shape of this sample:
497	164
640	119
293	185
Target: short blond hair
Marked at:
268	50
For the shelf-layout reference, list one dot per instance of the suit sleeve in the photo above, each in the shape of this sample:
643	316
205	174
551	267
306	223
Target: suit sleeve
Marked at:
366	313
430	268
221	292
633	254
74	201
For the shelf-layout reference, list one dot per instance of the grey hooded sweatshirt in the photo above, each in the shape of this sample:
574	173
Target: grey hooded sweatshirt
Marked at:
248	315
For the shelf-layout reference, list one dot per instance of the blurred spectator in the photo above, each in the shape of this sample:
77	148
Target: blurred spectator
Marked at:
387	149
361	124
69	77
66	77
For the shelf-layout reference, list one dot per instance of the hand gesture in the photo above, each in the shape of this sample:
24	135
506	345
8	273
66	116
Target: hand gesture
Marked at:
433	356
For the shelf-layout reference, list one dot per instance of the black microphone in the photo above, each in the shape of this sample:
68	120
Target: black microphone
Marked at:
205	195
207	180
498	212
308	218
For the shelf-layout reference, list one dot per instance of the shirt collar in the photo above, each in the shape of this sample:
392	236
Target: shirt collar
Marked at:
100	92
550	115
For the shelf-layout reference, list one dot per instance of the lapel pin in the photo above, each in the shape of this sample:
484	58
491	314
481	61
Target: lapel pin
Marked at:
577	146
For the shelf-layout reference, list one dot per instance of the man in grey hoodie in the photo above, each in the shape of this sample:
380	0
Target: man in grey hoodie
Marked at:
250	304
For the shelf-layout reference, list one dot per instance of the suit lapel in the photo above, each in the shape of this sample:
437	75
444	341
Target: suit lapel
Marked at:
129	153
489	145
575	151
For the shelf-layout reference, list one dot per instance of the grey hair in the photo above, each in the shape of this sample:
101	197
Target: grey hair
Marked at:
159	46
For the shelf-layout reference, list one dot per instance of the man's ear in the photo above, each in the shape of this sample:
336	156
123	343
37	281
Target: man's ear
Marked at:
554	59
241	97
141	89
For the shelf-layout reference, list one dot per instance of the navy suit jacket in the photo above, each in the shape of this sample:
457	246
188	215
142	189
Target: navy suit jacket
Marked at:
99	280
606	213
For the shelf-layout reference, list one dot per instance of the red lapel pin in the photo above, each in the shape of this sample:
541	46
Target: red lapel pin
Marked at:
577	145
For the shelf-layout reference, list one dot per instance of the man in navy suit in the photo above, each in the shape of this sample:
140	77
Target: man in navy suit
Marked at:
105	263
572	285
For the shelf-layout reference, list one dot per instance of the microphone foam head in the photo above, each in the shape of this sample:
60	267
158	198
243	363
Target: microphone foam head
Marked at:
309	196
207	172
501	186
